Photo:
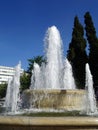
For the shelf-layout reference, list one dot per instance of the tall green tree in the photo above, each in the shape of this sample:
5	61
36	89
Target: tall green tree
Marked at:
77	54
93	46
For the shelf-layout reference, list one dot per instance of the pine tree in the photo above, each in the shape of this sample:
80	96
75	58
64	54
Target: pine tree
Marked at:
77	54
93	46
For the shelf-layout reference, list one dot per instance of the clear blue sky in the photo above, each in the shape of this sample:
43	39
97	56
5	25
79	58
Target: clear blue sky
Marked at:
23	24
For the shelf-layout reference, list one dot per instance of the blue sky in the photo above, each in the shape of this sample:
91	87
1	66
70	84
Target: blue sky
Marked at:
23	24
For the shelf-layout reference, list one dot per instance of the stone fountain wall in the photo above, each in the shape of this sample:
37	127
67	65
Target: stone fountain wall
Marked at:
55	99
48	123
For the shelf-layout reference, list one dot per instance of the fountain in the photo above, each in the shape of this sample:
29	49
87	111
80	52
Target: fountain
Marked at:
52	88
52	84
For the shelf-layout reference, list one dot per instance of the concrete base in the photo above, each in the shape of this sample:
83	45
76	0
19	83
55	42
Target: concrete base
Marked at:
48	123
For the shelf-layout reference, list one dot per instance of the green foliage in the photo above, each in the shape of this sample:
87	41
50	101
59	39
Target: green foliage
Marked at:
38	59
24	81
77	54
3	88
93	46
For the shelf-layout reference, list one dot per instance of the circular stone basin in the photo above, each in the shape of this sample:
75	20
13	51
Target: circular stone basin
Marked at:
55	99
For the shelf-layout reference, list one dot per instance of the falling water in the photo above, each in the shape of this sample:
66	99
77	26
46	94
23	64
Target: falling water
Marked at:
13	96
16	85
32	80
53	48
69	82
8	98
36	79
91	101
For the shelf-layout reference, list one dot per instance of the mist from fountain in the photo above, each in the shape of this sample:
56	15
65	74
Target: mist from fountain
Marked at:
13	93
91	100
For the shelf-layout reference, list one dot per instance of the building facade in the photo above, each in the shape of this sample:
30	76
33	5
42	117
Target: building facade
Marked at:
7	73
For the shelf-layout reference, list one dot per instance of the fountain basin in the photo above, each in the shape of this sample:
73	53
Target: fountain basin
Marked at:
48	123
55	99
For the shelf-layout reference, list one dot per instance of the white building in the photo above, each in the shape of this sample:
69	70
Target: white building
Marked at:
6	73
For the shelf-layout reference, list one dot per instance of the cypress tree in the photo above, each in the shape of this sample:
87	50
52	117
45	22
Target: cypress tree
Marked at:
77	54
93	46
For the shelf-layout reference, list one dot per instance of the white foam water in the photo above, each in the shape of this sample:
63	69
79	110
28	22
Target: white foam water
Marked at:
57	73
68	80
91	100
13	93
